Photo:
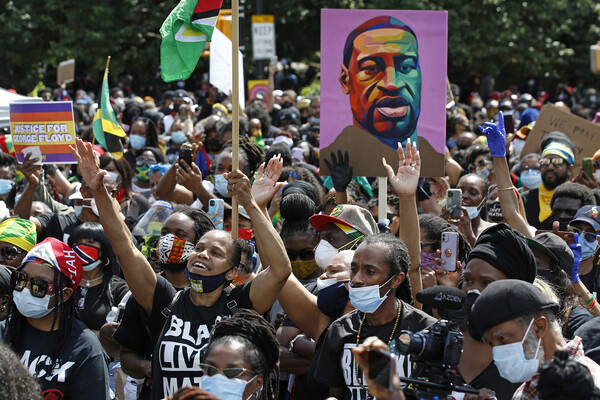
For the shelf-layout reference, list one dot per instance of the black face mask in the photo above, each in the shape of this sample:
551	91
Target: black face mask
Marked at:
213	145
176	107
286	104
494	211
563	222
333	299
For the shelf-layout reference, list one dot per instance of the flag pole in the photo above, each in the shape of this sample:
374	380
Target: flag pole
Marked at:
235	161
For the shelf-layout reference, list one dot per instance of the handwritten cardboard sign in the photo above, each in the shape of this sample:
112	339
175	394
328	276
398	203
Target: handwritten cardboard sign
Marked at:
43	129
65	72
584	134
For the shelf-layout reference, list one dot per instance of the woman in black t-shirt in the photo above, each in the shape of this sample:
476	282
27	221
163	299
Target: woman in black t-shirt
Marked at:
100	288
192	314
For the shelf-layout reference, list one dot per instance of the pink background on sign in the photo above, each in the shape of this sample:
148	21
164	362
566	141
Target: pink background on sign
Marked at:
431	28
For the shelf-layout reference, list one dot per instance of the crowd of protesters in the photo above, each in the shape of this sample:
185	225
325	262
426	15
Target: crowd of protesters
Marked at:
120	280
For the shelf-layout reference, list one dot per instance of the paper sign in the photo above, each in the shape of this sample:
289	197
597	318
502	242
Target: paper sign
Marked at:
256	87
263	37
65	72
43	129
584	134
383	81
220	62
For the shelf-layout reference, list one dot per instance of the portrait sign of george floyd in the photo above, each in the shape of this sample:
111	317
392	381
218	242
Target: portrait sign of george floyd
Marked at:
383	81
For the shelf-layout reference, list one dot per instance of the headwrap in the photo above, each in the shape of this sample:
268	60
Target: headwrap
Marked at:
561	150
20	232
57	255
507	251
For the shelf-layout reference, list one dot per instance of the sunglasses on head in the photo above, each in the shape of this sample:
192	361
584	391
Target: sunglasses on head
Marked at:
544	162
10	252
37	286
230	373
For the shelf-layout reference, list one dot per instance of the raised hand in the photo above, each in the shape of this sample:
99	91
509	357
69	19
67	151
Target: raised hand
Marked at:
406	180
88	164
340	169
30	170
496	136
238	186
188	176
265	185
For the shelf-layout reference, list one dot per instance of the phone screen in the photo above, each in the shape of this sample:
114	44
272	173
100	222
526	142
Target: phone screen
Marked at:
509	125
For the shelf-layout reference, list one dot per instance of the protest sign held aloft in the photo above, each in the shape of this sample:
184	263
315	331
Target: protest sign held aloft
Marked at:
383	82
43	129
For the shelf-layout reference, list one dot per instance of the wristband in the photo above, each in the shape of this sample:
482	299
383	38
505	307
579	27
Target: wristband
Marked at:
591	304
508	188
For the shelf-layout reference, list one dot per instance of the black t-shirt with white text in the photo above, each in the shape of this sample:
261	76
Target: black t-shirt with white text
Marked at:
81	372
336	366
185	335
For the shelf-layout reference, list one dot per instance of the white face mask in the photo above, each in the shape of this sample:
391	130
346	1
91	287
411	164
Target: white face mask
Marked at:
114	175
323	283
597	174
511	362
91	266
92	206
324	253
30	306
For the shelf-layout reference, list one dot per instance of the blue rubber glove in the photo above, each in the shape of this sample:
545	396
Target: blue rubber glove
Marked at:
576	249
496	136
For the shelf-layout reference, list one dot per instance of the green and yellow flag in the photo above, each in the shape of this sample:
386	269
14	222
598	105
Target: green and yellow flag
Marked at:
107	130
184	33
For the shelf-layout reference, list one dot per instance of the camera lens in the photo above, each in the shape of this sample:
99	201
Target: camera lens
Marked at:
421	344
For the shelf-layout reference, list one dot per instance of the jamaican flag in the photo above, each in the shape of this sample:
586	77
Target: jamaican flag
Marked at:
107	130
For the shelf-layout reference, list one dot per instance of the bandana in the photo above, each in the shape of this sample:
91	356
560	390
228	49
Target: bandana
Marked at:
544	197
57	255
19	232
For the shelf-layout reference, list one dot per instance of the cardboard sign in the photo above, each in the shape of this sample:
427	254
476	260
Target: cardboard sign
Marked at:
584	134
263	37
258	86
383	81
43	129
220	62
65	72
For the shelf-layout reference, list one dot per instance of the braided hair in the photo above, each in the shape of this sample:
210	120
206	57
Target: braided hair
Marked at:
257	337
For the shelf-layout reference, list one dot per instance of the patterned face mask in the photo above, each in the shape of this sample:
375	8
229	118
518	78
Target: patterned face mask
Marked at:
173	249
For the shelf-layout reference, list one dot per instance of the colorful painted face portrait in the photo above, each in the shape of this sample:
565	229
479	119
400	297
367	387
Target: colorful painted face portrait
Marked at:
382	78
383	81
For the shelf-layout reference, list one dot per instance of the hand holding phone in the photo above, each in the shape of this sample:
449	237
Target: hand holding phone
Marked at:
186	154
453	202
449	250
382	367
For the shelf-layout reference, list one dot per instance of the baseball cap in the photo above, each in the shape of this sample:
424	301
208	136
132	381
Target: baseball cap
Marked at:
589	214
347	214
504	300
555	248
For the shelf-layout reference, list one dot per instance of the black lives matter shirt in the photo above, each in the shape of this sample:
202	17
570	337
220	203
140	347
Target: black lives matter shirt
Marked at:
80	373
336	366
185	335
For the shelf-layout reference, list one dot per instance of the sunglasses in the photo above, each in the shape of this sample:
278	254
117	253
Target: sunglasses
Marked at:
305	255
544	162
589	237
144	161
10	252
37	286
229	373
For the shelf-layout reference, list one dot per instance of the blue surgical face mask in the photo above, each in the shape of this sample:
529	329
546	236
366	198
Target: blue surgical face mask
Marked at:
114	175
531	178
30	306
221	185
225	388
6	185
178	137
137	141
473	211
511	361
587	249
367	299
315	121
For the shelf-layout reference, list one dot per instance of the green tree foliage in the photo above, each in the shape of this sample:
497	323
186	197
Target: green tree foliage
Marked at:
505	38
